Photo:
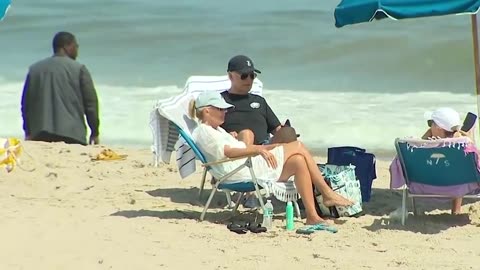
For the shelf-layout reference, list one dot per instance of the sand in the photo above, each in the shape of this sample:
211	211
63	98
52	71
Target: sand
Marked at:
74	213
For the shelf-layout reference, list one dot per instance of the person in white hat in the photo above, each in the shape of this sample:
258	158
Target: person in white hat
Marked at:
443	122
273	162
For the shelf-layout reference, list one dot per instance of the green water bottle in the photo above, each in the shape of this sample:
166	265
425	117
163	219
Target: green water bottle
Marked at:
289	211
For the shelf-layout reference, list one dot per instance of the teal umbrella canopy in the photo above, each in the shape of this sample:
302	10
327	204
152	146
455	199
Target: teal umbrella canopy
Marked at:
4	5
359	11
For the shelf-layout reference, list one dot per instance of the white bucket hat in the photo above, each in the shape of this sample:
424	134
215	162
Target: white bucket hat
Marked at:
446	118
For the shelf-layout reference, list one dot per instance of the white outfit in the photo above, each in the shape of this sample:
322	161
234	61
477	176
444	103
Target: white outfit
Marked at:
212	142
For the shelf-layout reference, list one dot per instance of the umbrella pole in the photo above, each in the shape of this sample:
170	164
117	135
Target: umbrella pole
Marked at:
476	59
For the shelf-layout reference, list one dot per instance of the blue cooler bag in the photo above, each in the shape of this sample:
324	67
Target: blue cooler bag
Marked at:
364	165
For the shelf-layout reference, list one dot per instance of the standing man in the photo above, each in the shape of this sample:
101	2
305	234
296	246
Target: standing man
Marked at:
57	96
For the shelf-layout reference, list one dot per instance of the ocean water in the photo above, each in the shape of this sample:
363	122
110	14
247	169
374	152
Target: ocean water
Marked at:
360	85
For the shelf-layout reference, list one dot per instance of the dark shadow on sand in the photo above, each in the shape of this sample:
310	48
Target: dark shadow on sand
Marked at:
385	201
382	202
222	217
216	213
190	196
424	224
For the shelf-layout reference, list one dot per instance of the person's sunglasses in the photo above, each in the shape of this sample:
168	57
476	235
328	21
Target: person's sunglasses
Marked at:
252	75
429	123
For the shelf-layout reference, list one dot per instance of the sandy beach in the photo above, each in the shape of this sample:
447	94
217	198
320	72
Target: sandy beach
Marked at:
74	213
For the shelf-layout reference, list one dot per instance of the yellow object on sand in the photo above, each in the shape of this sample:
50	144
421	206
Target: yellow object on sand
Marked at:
10	151
109	154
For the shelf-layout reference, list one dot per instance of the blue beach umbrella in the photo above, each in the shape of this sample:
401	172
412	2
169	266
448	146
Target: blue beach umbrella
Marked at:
359	11
4	5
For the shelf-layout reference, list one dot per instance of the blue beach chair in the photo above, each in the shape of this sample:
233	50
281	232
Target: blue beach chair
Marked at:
250	185
440	165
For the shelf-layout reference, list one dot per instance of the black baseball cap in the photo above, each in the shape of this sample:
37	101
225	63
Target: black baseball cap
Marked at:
241	64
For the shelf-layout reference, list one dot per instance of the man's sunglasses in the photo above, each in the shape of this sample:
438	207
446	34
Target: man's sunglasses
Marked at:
252	75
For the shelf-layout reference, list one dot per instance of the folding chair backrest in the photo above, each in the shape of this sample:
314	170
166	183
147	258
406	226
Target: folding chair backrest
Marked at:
192	145
443	165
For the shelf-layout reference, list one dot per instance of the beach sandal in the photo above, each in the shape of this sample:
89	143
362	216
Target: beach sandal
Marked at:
237	228
256	228
309	229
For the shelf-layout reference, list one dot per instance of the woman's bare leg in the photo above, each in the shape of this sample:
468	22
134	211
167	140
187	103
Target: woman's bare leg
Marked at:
295	165
457	206
330	198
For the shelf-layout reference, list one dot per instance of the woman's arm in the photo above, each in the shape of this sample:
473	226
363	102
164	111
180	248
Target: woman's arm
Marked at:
250	150
253	150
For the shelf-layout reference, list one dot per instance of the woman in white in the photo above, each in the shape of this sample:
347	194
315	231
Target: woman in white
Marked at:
276	162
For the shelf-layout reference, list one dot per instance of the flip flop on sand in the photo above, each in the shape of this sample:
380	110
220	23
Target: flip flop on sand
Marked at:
237	228
256	228
309	229
243	228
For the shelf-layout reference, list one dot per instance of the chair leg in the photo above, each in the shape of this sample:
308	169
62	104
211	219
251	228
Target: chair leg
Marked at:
404	202
259	197
238	203
415	212
202	216
229	199
248	163
202	184
297	209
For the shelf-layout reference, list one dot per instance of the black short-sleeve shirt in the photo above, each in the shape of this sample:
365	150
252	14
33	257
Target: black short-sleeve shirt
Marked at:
250	112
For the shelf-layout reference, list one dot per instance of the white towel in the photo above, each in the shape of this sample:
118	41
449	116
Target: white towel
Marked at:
185	158
175	109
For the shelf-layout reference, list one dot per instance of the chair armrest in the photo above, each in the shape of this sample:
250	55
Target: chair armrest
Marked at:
225	160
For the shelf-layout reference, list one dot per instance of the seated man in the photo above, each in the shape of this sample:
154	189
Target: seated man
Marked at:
251	120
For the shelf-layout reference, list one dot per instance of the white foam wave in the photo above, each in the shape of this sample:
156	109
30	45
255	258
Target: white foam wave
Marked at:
369	120
323	119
